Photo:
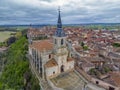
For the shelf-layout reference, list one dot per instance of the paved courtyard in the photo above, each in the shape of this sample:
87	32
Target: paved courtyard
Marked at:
68	81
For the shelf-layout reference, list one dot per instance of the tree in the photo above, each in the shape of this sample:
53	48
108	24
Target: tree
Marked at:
85	47
16	67
82	44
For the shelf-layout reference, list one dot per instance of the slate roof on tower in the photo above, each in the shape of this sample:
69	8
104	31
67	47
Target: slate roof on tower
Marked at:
59	32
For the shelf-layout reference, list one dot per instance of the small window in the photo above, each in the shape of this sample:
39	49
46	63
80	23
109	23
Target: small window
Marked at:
55	41
97	82
62	42
111	88
54	72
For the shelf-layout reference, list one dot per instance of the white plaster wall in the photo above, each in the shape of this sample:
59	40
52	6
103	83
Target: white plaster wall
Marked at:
49	71
58	44
30	51
70	65
45	57
62	60
61	50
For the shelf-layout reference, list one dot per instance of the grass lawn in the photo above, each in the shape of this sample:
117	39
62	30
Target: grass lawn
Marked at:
4	35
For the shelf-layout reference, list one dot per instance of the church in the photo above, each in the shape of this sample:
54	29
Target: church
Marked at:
52	57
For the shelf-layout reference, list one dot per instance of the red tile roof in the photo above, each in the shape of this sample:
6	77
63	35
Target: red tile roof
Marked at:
51	63
42	45
70	59
115	77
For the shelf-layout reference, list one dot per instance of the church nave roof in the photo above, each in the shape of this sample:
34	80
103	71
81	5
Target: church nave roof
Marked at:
42	45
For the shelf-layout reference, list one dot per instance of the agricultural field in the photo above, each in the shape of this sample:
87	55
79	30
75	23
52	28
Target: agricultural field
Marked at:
5	35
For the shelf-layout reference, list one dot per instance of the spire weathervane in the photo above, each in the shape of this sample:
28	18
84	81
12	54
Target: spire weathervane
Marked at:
59	8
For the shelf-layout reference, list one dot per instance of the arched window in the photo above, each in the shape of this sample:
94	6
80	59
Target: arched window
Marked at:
62	42
49	56
62	68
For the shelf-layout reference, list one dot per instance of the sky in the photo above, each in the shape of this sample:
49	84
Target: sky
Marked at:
46	11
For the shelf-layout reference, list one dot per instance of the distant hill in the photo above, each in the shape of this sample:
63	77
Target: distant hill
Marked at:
96	26
41	25
25	26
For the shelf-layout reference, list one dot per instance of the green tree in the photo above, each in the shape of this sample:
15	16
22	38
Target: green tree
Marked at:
16	66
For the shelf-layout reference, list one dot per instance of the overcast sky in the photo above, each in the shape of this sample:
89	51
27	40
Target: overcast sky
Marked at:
72	11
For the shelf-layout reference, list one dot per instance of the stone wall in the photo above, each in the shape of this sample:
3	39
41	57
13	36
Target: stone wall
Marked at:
103	84
86	76
70	65
95	80
51	71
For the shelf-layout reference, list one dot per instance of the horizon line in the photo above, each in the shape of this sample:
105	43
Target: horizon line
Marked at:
55	24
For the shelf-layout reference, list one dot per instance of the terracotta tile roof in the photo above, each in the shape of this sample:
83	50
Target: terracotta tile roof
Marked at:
51	63
115	77
70	59
78	48
42	45
87	64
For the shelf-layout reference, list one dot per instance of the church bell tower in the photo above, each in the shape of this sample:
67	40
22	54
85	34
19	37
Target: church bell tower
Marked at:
59	36
60	48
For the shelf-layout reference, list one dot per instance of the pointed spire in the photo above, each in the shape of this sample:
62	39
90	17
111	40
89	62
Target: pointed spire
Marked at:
59	32
59	24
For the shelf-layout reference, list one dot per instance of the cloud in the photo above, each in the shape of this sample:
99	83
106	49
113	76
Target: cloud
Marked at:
45	11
